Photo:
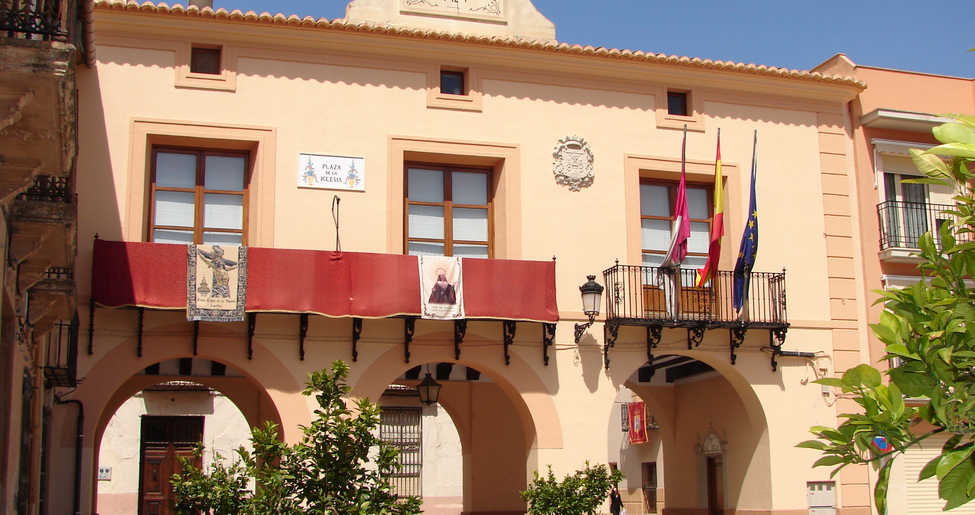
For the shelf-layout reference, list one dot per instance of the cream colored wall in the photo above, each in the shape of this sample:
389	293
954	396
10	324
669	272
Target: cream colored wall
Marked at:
305	94
916	92
316	108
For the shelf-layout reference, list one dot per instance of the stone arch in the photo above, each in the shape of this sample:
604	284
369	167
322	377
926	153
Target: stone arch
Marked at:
490	419
749	465
114	377
518	380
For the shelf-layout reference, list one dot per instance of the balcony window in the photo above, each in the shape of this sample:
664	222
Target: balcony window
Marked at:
657	200
448	211
907	211
198	196
907	215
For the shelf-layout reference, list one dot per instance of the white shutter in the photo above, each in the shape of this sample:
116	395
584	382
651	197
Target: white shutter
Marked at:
922	498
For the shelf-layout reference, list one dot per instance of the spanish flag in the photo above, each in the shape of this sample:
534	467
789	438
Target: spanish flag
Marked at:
717	224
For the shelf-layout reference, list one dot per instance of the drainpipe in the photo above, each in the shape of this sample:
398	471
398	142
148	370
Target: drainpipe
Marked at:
79	439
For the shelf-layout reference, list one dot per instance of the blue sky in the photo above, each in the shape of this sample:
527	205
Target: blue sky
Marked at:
926	36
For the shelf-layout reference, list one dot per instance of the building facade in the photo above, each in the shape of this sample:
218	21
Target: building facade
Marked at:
344	155
41	45
894	114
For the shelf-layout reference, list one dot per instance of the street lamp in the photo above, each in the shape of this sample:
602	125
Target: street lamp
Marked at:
429	389
592	295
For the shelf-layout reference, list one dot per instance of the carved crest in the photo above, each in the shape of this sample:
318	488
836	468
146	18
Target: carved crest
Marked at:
573	163
712	444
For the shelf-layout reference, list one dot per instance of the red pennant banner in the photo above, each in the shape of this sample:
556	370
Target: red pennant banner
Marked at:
638	422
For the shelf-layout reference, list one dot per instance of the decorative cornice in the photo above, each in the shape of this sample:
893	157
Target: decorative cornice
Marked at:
498	41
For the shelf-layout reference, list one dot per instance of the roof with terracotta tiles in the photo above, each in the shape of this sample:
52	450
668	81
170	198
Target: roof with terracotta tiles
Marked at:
340	24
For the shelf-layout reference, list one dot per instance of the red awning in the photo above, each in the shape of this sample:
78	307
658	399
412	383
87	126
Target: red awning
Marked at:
335	284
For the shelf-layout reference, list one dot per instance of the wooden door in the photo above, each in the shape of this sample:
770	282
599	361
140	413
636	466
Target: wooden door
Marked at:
164	439
715	478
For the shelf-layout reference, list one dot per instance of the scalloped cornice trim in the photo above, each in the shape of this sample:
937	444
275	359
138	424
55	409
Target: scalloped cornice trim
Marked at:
340	24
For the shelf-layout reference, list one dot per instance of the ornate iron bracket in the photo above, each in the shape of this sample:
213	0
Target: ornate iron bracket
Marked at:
695	335
91	327
196	337
611	331
356	334
776	335
510	326
460	329
409	326
737	336
579	329
251	326
654	335
142	324
302	334
548	339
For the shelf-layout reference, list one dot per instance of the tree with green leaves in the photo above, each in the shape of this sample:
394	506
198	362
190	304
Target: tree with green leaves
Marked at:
930	328
580	493
340	466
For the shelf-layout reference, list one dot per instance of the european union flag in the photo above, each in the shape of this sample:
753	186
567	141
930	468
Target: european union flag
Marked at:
749	243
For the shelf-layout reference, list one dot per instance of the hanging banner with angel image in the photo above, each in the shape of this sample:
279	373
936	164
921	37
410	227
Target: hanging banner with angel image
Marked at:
216	283
441	287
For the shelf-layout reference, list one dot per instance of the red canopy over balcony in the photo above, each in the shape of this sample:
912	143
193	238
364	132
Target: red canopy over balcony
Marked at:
335	284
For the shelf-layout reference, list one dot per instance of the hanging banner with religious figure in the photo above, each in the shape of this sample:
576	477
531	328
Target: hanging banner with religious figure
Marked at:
331	172
441	287
216	283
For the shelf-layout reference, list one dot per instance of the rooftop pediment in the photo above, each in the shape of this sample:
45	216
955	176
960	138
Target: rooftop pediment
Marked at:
510	18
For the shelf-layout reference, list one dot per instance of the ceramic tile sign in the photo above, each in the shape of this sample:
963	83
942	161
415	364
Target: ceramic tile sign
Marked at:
331	172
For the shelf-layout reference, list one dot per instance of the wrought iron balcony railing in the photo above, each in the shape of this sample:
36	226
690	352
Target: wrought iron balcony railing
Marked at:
32	19
646	295
61	366
49	188
903	223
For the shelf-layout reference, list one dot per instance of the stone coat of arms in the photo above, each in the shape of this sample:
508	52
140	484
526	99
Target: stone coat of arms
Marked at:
573	163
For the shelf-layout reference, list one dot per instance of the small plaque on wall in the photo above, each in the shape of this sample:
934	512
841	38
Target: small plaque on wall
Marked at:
331	172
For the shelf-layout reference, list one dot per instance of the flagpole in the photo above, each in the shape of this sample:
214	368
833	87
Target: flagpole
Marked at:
710	269
669	271
748	248
681	227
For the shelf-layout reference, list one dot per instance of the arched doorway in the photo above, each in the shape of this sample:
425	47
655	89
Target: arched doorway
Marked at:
701	433
431	455
478	459
495	426
179	404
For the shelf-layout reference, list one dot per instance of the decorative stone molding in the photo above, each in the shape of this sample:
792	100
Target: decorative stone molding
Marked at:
712	444
573	163
460	8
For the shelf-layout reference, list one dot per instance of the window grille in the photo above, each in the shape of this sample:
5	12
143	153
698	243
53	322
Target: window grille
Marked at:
401	428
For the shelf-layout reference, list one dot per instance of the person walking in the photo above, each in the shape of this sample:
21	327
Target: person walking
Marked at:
615	502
